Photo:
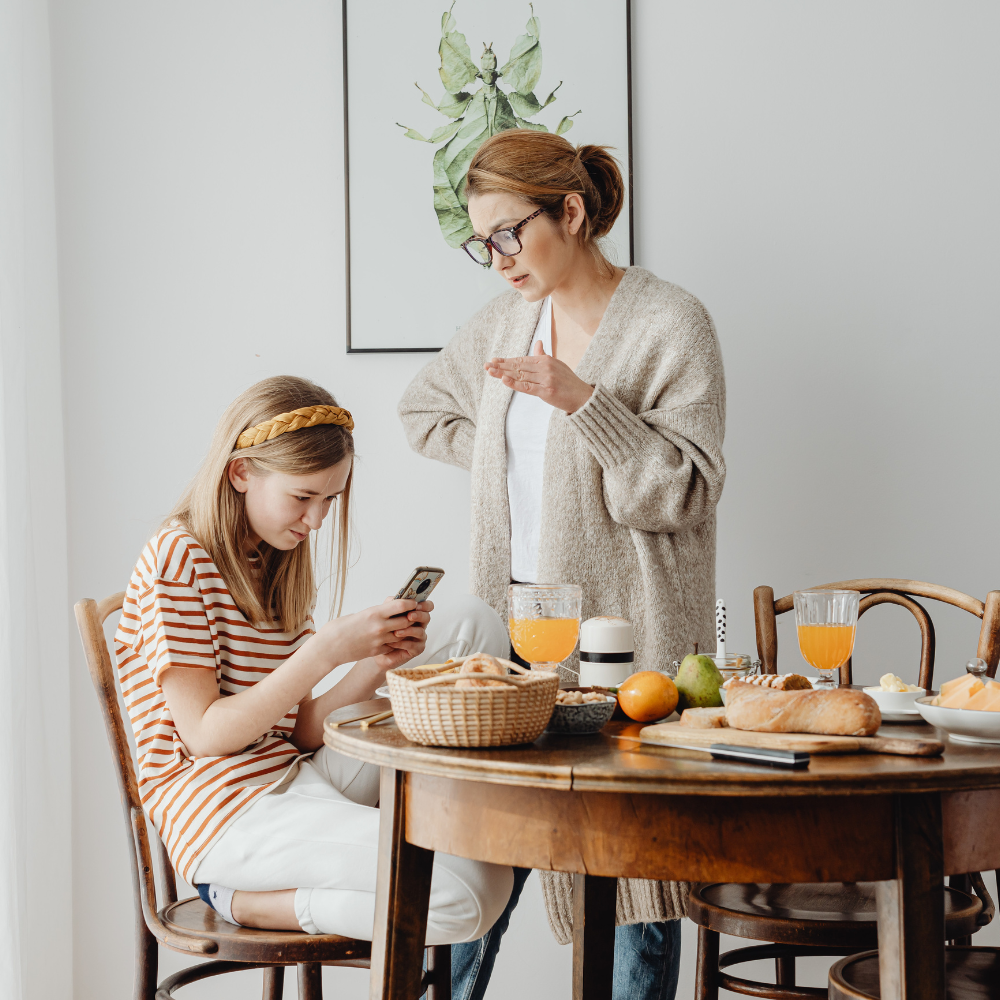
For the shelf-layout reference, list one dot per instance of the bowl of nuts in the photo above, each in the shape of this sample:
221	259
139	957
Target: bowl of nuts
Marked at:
581	711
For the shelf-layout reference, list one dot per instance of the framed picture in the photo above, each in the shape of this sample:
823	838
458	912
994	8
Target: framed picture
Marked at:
424	85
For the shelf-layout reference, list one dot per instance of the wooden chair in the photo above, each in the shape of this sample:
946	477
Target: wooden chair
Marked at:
829	918
189	925
970	974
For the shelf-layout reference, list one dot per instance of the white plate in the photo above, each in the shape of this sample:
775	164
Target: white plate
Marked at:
964	724
382	692
901	716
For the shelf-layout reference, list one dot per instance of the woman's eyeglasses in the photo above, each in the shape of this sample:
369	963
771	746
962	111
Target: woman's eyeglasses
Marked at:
504	241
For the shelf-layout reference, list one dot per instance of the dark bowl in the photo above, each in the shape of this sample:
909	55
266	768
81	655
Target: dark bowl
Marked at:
582	720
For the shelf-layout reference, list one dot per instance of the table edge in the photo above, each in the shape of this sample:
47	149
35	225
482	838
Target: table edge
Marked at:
568	778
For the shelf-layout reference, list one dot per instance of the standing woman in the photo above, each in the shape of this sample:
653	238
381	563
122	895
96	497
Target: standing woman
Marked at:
588	402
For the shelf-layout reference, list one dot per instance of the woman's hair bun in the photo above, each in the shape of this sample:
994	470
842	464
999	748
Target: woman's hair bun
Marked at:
542	168
607	179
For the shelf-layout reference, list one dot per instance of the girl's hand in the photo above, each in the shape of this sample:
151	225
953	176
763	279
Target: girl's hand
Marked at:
410	640
543	376
384	629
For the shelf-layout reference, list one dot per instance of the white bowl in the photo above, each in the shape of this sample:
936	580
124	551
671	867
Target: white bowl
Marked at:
964	724
892	703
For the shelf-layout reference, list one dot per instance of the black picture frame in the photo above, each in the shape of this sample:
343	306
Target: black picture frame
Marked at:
347	185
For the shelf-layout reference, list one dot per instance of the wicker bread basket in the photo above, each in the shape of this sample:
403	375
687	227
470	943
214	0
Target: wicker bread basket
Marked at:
445	716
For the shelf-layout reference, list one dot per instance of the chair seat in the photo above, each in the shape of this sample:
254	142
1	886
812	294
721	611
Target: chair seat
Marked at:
973	973
196	928
823	914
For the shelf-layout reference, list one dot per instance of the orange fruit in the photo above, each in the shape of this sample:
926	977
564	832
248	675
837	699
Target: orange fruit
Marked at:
647	696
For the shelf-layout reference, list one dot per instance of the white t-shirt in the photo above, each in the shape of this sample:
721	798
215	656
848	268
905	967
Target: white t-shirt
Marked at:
526	430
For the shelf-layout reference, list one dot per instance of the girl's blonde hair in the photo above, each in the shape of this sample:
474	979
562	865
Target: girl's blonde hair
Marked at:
282	589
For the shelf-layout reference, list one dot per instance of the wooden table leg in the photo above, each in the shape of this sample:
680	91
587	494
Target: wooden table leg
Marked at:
594	901
911	908
401	899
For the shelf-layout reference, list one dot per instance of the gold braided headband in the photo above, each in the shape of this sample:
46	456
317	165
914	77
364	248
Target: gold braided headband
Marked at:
306	416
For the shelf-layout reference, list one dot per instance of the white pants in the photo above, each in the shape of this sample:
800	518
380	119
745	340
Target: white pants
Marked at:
318	833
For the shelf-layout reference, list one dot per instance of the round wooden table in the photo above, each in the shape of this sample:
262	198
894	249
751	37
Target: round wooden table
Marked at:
606	806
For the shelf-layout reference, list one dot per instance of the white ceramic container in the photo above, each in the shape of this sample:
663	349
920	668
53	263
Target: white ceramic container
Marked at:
607	651
963	724
896	706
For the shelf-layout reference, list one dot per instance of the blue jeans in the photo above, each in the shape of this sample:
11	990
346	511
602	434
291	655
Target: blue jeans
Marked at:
647	957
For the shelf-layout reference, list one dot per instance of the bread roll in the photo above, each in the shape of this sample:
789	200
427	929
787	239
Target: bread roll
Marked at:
704	718
480	663
836	712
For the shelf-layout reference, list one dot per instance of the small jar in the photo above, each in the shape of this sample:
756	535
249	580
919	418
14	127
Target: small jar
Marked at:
737	665
607	651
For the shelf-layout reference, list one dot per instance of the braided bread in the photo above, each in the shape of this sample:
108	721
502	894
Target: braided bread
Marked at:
306	416
480	663
779	682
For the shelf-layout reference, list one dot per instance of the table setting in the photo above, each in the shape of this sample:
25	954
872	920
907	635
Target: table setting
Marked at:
818	781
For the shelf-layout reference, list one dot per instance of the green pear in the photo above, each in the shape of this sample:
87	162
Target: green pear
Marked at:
698	682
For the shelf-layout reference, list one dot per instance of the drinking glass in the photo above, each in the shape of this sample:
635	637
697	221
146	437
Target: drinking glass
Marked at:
826	621
544	622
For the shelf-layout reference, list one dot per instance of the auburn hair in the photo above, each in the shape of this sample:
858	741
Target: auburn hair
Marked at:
542	168
281	587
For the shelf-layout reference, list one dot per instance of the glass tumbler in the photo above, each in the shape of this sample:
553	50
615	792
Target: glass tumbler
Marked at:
826	621
544	622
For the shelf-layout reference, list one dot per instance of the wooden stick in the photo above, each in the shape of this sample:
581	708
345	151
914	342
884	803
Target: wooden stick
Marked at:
454	678
371	720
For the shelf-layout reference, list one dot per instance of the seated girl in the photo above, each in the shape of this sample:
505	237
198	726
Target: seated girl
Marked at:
218	656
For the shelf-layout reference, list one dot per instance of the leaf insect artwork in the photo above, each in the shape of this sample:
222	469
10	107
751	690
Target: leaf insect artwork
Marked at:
476	116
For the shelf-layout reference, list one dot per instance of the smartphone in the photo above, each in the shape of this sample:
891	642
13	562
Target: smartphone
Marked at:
421	583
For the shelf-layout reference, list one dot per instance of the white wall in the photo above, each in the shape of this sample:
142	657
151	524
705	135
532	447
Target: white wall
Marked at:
821	175
35	807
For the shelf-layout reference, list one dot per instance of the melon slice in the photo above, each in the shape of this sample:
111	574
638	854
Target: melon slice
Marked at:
987	700
958	683
960	697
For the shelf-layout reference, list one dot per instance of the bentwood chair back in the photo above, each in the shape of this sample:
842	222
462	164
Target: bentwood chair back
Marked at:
189	925
882	590
830	918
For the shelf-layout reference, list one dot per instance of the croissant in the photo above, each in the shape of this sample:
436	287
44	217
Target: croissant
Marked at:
837	712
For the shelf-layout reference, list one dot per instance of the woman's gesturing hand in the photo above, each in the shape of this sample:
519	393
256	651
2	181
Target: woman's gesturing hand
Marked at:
543	376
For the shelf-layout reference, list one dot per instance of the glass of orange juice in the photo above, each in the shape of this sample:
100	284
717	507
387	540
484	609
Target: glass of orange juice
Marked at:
544	622
826	621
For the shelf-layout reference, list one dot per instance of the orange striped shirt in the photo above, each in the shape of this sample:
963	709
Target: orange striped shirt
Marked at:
179	613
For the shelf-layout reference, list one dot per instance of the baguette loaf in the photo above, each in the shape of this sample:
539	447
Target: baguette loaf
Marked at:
837	712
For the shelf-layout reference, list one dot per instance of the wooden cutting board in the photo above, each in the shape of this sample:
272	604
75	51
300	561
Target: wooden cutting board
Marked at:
675	735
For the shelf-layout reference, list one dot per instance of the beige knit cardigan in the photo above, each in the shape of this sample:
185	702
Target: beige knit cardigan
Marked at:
629	488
